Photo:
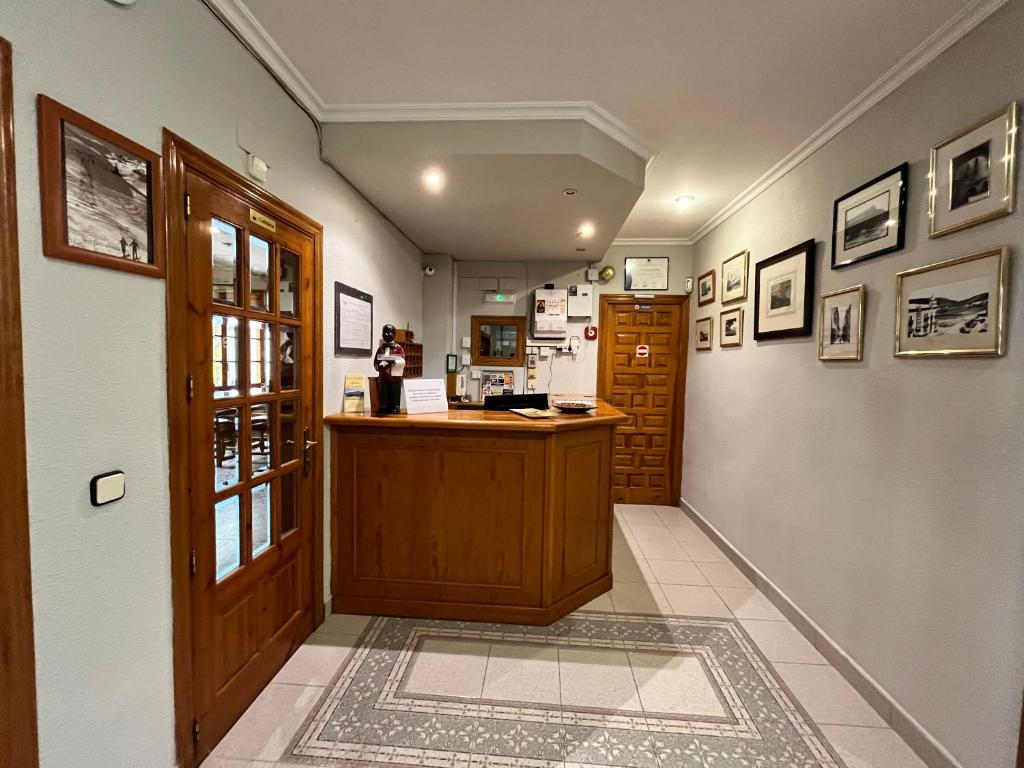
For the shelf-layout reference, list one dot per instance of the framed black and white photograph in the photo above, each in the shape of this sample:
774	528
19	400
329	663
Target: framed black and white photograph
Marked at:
841	325
955	307
706	288
972	174
734	277
730	328
783	294
705	335
101	194
646	273
870	220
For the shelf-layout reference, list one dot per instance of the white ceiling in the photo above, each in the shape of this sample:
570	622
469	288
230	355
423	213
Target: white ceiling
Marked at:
721	90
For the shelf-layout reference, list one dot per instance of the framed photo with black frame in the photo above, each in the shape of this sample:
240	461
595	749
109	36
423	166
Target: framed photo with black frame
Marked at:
784	294
870	220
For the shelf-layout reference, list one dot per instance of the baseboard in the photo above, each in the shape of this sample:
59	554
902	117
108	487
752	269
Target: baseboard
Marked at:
915	734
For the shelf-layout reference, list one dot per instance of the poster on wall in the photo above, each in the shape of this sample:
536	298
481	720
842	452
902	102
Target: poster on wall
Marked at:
353	321
550	313
497	383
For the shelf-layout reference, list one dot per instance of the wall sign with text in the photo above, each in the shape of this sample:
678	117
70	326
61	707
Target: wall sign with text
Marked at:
646	273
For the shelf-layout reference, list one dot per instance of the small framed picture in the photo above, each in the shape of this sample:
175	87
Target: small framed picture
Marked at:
841	325
734	277
706	288
870	220
955	307
783	294
646	273
972	174
731	328
704	334
101	194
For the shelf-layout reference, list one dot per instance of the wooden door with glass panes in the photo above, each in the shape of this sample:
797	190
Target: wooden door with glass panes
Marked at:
251	334
642	372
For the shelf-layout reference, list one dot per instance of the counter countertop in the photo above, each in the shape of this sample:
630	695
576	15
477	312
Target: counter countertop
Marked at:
473	419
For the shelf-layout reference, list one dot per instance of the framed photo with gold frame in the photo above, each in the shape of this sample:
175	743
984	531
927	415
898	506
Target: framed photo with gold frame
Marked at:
954	308
706	288
972	177
704	334
841	324
734	277
730	328
101	194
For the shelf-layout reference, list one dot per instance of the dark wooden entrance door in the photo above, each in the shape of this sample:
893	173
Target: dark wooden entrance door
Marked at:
642	372
253	438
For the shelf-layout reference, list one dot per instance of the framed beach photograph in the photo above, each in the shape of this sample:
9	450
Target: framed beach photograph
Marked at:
784	294
955	307
704	338
706	288
841	325
972	174
101	194
734	277
870	220
730	326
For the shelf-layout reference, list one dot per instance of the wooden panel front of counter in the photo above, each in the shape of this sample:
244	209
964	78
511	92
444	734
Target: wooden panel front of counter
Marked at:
473	517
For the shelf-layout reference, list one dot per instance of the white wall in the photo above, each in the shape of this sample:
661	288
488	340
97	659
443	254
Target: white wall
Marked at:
884	497
95	363
560	373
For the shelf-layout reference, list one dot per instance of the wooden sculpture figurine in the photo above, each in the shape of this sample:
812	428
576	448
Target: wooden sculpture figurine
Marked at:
390	364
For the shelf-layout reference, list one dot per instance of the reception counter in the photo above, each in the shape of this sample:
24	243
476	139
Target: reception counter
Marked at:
475	515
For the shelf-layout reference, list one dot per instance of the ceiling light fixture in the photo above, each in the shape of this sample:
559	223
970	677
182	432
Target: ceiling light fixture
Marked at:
586	230
569	191
433	180
685	201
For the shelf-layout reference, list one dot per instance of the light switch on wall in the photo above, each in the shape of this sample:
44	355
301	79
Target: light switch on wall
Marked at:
106	488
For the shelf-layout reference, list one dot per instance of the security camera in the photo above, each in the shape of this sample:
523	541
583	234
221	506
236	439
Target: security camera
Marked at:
429	270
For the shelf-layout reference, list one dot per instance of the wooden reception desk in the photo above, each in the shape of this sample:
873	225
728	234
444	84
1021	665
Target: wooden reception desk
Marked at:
476	515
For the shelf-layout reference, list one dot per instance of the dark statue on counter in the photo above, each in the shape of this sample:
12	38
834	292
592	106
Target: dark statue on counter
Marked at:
390	364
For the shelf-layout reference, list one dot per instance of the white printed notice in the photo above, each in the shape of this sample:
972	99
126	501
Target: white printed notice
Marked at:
425	396
355	318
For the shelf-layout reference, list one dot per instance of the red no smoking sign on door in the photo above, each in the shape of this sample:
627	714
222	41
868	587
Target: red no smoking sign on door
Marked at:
642	350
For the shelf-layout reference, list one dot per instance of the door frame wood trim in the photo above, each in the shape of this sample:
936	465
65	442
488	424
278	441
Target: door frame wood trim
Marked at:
179	158
676	434
18	720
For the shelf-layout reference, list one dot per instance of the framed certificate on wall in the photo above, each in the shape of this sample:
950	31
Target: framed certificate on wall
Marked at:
646	273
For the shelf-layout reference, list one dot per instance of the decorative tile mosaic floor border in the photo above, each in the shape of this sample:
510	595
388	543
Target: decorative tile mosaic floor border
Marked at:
369	719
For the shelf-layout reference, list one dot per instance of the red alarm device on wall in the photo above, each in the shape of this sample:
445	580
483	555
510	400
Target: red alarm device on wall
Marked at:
590	332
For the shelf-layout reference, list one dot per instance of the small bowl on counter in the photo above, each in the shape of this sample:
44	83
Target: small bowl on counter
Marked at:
573	404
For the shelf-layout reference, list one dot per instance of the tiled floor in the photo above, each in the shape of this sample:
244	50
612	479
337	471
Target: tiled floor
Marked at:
492	695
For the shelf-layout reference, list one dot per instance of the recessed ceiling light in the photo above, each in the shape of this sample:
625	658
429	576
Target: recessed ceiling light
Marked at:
581	250
586	230
433	180
685	201
569	191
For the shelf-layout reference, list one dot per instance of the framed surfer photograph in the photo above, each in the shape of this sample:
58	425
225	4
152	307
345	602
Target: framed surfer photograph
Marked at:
870	220
955	307
841	325
706	288
734	277
972	174
783	294
101	194
704	338
730	326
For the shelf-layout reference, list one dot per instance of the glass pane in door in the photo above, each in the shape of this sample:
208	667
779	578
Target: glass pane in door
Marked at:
260	518
261	422
289	351
289	430
261	357
225	447
259	274
288	283
228	535
225	355
224	245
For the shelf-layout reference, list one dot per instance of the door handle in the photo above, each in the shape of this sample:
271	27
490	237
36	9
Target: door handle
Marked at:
307	444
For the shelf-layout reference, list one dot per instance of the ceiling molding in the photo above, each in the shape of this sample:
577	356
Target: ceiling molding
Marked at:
652	241
939	41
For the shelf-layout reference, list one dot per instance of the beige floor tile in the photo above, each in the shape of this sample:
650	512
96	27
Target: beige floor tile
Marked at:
704	552
675	684
827	697
527	673
626	569
317	661
639	598
725	575
666	548
871	747
597	678
267	727
230	762
677	572
671	515
780	641
695	601
689	533
600	603
638	514
448	668
642	533
748	603
343	624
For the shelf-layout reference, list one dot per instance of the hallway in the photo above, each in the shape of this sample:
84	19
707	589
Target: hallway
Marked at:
561	696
